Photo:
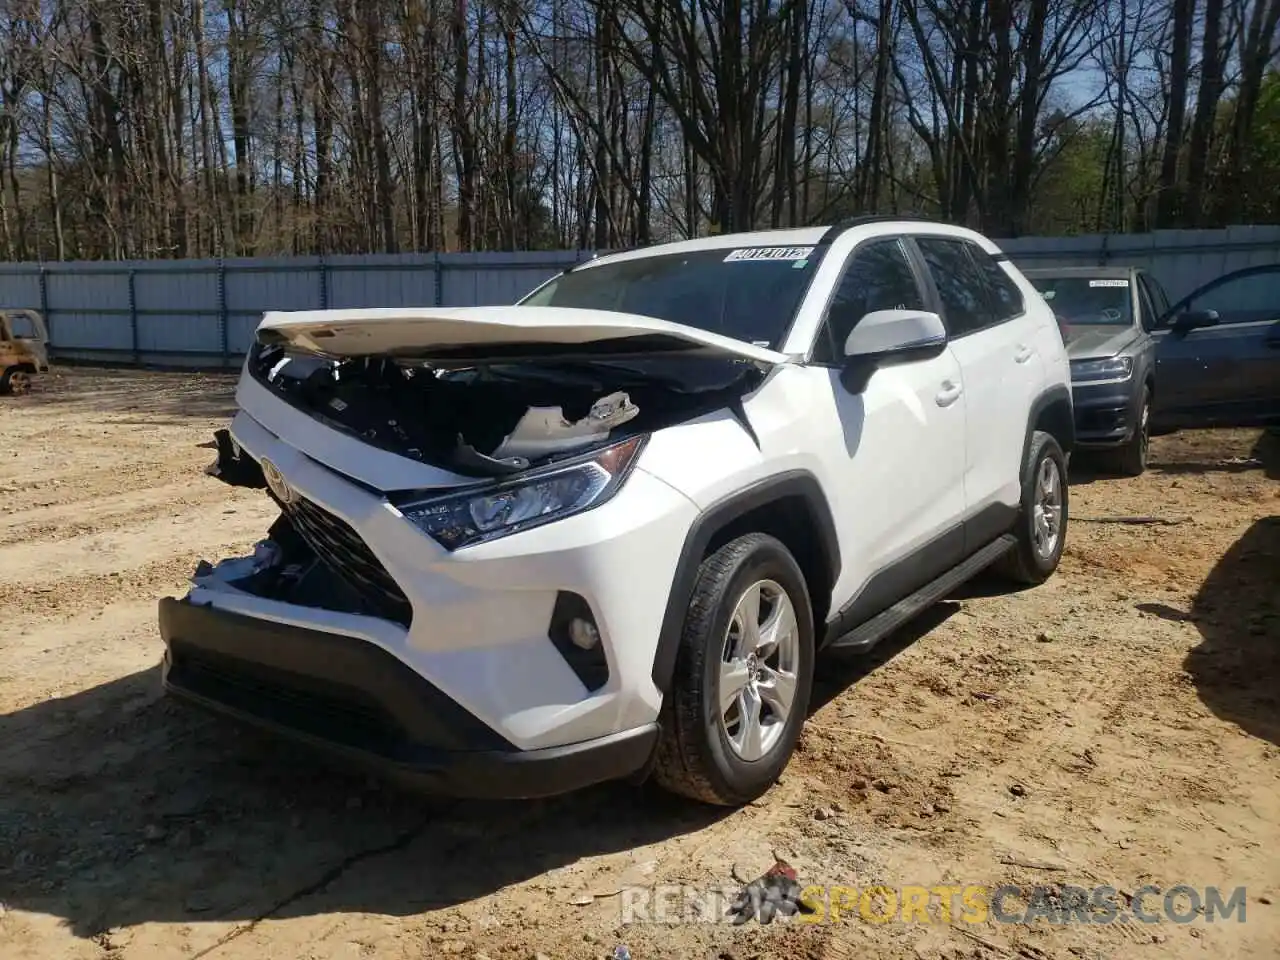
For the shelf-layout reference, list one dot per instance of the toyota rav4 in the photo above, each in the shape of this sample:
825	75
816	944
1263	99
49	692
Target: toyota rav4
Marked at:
606	532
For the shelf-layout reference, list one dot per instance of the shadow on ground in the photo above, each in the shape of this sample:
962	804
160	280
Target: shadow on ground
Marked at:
838	672
1236	667
120	807
1190	452
148	396
1263	454
1088	466
1267	452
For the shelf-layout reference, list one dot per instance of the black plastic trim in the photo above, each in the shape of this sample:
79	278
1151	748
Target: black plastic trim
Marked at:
1054	394
850	223
590	666
422	738
301	665
898	580
794	483
990	523
867	634
923	566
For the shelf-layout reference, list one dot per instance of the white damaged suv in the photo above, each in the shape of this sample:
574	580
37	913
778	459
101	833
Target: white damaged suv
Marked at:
606	532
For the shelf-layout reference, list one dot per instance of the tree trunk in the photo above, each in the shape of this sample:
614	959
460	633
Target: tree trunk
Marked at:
1212	57
1169	205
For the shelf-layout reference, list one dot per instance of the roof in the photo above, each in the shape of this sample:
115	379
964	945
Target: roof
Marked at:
1093	273
804	237
795	237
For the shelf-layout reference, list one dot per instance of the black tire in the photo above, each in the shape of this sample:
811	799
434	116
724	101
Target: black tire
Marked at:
15	381
695	758
1131	459
1026	563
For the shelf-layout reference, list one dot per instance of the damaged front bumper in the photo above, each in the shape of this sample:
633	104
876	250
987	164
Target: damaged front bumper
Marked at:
363	707
482	636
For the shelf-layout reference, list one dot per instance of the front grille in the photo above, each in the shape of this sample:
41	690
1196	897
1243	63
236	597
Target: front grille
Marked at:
342	550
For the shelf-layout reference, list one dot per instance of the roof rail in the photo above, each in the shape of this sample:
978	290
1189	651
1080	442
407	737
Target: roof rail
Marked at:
848	223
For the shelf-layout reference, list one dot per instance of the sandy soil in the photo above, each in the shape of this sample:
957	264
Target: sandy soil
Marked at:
1119	726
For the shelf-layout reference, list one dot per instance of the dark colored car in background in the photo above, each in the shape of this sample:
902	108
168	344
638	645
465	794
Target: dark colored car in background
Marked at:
1140	365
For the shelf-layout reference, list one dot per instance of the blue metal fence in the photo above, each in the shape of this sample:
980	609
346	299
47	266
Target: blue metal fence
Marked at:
203	312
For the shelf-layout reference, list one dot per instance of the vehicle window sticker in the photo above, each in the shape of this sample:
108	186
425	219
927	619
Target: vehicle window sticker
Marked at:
769	253
1108	283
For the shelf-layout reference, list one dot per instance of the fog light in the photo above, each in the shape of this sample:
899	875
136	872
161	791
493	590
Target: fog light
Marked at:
583	633
576	636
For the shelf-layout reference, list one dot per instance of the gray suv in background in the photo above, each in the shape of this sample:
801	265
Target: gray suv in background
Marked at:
1140	365
1107	328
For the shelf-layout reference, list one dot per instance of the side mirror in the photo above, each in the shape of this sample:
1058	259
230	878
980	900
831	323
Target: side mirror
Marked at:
896	334
885	336
1190	320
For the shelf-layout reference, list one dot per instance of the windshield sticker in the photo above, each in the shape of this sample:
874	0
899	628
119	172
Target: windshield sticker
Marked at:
1048	294
1108	283
769	253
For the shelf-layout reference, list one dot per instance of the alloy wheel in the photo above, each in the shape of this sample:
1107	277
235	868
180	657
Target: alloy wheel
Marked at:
758	670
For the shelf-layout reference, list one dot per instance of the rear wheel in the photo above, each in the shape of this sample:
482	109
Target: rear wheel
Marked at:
1131	459
1041	527
743	676
15	381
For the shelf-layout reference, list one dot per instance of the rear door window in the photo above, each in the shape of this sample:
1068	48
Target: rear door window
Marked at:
961	285
1006	298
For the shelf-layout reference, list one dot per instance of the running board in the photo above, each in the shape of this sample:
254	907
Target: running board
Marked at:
866	636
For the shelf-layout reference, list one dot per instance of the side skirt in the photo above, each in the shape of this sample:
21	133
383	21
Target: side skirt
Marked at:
865	636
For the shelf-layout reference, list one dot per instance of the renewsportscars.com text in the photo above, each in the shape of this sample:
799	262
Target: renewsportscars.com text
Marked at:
947	903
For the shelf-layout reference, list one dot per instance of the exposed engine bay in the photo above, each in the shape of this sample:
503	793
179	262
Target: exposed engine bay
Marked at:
482	420
498	419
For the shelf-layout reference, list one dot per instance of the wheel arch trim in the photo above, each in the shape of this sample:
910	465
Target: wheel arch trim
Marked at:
1056	394
799	484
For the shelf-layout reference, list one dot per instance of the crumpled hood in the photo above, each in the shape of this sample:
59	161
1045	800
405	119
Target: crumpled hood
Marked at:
492	332
1097	341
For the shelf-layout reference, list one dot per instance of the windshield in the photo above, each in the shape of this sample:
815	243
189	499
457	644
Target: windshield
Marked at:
749	293
1087	300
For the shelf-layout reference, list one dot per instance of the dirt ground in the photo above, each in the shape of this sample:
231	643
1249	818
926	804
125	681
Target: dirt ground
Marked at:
1119	726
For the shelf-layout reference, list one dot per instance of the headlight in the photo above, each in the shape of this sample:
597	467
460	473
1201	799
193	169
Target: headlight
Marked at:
1112	368
486	513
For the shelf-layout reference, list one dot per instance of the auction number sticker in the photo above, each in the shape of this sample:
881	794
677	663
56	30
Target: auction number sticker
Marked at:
769	253
1108	283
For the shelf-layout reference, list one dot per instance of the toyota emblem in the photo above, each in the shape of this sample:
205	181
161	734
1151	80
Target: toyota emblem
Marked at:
276	482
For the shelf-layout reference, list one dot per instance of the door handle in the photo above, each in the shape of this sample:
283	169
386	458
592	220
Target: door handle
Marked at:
1023	354
948	395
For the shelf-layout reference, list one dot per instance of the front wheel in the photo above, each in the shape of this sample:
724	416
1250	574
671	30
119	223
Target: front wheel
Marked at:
1131	459
15	381
743	676
1041	527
